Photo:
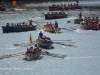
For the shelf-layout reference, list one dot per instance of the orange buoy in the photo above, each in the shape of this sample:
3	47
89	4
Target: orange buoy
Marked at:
14	2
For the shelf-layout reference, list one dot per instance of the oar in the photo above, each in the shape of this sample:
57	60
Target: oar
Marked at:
12	55
64	44
43	13
25	44
67	29
53	54
70	29
30	44
62	40
36	22
69	13
42	53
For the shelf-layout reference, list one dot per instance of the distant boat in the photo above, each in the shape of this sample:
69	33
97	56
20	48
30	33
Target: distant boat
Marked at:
44	42
2	6
55	15
88	23
93	26
20	28
63	7
55	8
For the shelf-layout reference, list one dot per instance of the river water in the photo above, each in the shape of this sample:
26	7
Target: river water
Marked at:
83	56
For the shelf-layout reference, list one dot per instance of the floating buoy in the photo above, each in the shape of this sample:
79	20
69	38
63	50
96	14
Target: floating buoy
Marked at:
14	2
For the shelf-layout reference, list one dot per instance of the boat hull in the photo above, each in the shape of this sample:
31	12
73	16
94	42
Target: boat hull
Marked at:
2	9
54	16
51	8
52	30
47	45
11	29
31	56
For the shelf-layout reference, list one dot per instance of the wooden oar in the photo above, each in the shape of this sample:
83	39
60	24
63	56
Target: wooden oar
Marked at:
64	44
54	55
67	29
12	55
74	30
62	40
45	52
69	13
38	25
25	44
36	22
42	53
33	42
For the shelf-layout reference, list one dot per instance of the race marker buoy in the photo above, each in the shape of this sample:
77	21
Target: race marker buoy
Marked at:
14	2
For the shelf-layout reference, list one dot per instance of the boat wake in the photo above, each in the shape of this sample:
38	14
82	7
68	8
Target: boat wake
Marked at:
18	9
83	57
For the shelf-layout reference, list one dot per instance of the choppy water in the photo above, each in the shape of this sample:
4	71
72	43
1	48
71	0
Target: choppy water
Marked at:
83	57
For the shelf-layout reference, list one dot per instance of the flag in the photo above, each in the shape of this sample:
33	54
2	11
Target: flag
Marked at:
31	41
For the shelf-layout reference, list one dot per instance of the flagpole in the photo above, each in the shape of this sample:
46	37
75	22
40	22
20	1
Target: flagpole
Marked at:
30	39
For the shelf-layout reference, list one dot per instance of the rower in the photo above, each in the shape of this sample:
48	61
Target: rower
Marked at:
47	23
7	25
36	46
56	26
30	22
40	34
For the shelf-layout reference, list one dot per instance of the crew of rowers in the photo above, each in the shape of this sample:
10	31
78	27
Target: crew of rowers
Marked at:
50	26
64	5
35	50
43	39
56	13
2	4
90	21
18	25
